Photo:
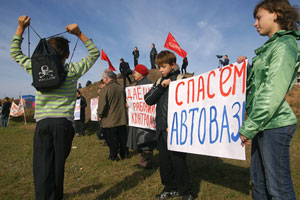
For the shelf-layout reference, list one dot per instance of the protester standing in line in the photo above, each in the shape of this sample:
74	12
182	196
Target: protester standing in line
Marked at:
5	112
79	124
100	133
136	55
140	139
54	111
184	65
125	71
113	116
153	54
271	122
173	167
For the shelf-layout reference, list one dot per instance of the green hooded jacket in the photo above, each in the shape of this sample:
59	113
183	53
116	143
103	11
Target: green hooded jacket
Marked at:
271	76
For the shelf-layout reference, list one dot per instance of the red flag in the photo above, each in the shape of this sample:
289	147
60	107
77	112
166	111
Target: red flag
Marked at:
104	57
172	44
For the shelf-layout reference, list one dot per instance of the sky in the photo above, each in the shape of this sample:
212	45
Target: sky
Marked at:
202	28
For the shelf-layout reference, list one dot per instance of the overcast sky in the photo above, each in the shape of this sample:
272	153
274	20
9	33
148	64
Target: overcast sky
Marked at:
203	29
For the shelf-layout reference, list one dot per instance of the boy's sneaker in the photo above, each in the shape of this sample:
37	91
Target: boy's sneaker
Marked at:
167	194
187	197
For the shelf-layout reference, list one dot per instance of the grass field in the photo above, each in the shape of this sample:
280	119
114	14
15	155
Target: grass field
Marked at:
89	175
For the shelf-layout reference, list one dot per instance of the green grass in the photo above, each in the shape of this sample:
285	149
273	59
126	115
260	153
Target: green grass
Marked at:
89	175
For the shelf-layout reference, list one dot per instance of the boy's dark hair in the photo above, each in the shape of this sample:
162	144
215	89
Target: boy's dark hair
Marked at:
122	59
288	16
61	45
101	81
78	91
165	57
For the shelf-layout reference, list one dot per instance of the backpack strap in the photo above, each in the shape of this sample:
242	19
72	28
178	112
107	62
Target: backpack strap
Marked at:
73	50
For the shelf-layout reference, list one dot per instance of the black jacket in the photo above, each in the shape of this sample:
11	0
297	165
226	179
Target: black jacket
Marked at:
153	53
185	63
136	54
6	108
225	62
159	95
83	105
125	68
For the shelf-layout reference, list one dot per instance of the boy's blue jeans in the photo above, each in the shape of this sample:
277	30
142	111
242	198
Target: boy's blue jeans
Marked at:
270	164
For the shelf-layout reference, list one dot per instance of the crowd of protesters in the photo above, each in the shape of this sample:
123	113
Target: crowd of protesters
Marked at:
270	125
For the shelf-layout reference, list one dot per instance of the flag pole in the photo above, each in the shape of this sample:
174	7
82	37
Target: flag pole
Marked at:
100	69
23	110
9	114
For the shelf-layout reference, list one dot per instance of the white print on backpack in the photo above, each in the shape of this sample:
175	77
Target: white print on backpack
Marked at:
46	74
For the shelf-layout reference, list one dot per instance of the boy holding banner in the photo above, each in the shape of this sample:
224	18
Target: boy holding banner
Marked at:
173	167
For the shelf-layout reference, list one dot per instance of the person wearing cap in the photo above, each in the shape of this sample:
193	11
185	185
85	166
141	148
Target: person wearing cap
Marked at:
139	139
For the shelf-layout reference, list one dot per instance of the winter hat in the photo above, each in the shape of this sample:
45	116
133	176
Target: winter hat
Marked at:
142	69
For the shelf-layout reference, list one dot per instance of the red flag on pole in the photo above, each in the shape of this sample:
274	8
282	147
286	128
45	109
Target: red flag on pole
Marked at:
172	44
104	57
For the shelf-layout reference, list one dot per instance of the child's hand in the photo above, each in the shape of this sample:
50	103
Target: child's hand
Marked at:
166	82
73	29
24	21
244	140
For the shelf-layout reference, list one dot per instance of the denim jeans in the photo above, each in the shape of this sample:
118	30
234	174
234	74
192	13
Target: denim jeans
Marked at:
4	120
270	164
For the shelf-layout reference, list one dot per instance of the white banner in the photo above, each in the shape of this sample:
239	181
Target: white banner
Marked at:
16	110
94	107
77	110
139	113
205	112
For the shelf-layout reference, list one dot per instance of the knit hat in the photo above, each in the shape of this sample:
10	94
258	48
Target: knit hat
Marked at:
142	69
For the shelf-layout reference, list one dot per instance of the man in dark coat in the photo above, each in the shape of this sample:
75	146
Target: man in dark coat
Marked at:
184	65
79	124
5	112
136	55
113	116
139	139
153	54
125	71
